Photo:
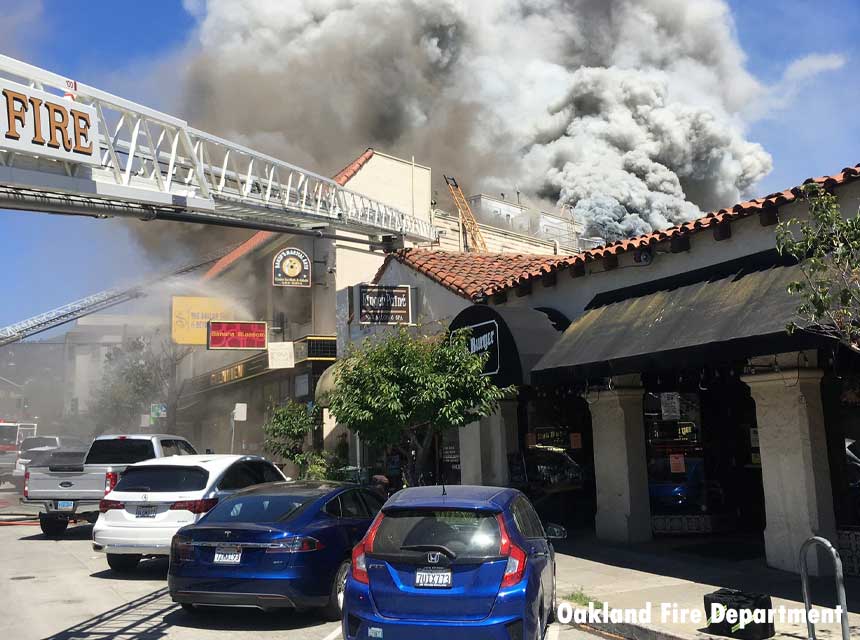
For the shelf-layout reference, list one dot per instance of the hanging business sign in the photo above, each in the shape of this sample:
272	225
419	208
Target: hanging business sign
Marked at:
44	124
237	335
384	304
485	339
190	316
291	267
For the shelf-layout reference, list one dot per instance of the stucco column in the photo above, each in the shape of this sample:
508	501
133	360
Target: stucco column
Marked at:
623	509
470	454
494	451
794	464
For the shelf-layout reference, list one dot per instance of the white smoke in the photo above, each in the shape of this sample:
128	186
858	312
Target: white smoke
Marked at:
632	112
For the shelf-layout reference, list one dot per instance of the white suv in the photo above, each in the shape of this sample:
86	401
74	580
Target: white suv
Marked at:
155	498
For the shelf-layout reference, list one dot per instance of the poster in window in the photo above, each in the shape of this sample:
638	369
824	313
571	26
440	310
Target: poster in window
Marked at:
754	438
677	463
670	405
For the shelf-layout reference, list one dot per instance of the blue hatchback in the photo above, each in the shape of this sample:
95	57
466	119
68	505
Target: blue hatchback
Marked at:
284	544
457	562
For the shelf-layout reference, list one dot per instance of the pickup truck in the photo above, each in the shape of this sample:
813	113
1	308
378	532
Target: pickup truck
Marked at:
72	484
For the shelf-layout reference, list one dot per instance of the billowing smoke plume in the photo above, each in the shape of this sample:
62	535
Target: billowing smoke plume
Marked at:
631	112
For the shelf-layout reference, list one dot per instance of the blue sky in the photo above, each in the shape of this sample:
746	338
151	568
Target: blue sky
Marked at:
114	45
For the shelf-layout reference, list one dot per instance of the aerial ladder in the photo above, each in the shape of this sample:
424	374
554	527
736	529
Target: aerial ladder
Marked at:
466	215
73	149
98	302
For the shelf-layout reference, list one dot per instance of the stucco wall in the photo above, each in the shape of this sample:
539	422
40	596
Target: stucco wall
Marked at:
390	180
571	295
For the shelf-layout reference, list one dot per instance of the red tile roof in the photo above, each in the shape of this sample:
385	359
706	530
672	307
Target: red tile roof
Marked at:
261	237
475	275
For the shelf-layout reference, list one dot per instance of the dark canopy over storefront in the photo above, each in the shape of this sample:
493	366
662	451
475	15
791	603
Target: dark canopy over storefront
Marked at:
515	338
718	318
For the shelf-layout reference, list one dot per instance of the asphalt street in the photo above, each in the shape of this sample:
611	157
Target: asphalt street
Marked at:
63	590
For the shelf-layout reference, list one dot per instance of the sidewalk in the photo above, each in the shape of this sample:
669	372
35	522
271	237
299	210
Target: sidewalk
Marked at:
682	571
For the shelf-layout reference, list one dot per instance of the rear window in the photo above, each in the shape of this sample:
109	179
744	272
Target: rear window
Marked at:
257	508
163	479
120	451
33	443
468	534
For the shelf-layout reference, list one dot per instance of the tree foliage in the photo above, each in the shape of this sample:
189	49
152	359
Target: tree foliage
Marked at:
134	376
287	432
406	388
828	248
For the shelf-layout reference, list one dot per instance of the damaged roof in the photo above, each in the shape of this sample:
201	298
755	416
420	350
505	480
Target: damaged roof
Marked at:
477	275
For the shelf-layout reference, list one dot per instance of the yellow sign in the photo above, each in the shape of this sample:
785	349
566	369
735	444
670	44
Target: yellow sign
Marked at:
190	315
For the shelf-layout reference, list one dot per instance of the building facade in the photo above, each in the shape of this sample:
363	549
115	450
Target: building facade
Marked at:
675	379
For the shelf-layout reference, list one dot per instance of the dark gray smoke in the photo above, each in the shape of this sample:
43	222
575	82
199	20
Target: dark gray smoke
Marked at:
632	112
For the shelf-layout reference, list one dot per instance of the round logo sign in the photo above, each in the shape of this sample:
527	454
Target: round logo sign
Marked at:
291	267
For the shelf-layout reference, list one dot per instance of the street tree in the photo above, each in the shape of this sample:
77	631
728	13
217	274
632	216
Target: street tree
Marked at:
403	389
288	431
134	376
827	246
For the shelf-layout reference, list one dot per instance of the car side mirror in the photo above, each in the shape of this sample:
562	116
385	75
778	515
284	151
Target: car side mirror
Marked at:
555	531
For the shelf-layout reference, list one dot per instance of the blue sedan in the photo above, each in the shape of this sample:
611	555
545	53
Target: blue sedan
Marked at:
276	545
456	562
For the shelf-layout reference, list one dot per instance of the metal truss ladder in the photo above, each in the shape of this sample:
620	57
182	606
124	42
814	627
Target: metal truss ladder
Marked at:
96	302
466	214
151	165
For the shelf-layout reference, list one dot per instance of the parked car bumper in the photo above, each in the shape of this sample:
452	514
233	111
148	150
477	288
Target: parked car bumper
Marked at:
154	541
361	620
242	592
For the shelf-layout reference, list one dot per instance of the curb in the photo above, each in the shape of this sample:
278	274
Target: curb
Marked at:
625	630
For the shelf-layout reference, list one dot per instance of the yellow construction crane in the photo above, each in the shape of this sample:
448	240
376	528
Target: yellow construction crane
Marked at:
466	214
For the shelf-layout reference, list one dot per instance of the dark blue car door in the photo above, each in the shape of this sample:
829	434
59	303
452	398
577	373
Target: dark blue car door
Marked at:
353	515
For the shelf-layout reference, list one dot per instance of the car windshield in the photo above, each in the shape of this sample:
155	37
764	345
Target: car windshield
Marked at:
120	451
163	479
257	508
464	533
41	441
8	433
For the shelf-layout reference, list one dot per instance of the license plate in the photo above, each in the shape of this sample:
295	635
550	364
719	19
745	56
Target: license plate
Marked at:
65	505
228	555
435	578
148	511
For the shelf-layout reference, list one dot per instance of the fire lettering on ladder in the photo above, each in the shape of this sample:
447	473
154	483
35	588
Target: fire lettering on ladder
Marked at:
59	118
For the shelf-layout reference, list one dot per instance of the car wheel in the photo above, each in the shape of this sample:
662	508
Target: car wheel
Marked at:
553	604
334	609
51	526
189	608
122	563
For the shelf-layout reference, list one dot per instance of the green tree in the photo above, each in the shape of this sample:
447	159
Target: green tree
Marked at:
134	376
828	249
400	391
287	431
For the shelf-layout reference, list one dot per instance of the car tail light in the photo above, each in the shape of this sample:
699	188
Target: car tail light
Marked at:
26	484
108	505
516	567
181	549
111	478
194	506
296	544
359	557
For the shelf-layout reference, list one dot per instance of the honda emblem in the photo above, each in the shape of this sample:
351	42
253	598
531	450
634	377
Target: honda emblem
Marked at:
433	557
